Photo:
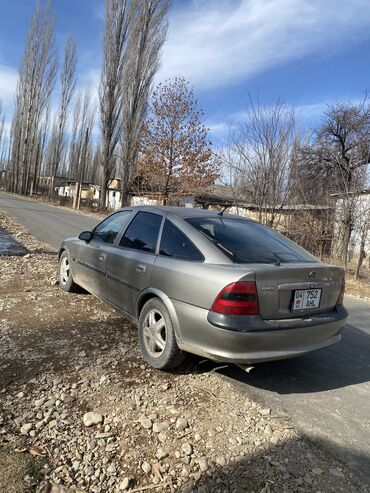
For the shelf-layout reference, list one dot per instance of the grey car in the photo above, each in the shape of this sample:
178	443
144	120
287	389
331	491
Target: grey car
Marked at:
213	284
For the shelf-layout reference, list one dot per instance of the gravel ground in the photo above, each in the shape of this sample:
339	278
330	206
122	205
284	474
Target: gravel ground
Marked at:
81	411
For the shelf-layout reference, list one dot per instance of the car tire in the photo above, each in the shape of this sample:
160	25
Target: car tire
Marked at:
66	281
157	336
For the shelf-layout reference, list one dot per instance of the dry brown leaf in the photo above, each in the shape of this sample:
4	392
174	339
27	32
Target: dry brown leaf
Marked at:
156	468
36	452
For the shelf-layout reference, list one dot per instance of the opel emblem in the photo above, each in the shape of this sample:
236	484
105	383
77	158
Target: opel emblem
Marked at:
312	274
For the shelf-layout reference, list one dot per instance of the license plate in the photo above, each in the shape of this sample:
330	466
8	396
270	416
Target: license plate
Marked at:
305	299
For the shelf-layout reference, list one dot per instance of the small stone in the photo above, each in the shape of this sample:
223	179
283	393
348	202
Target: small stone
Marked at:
111	471
181	424
317	471
20	395
197	437
146	467
146	422
336	472
203	464
268	430
124	484
221	461
265	412
274	440
187	448
49	403
162	436
76	465
92	418
26	428
82	354
104	380
161	453
157	428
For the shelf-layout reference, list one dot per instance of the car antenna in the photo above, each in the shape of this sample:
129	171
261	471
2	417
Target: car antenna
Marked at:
221	213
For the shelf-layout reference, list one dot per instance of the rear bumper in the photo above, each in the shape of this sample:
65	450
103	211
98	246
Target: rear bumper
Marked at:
260	340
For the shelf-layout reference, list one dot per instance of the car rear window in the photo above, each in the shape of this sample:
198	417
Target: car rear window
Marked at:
249	242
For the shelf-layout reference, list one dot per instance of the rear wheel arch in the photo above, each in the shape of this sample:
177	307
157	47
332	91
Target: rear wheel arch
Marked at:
61	250
150	293
157	336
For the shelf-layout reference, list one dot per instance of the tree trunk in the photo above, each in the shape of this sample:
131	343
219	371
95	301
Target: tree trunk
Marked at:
362	253
125	199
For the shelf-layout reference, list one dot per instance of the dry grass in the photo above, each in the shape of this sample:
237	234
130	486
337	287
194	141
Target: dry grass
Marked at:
355	287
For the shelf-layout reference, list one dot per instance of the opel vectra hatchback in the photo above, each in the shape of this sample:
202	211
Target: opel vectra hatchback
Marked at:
217	285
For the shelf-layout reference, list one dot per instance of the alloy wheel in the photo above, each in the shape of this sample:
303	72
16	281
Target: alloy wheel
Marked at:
64	270
155	333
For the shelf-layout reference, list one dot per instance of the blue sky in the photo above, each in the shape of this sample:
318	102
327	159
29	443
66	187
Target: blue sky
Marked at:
306	52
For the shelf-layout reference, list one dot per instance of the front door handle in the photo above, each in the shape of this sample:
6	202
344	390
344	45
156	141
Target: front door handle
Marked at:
102	256
140	268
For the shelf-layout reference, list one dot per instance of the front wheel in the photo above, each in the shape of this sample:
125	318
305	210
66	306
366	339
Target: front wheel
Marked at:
157	336
66	281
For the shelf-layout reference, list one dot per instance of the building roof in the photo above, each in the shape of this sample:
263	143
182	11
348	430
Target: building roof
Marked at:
364	191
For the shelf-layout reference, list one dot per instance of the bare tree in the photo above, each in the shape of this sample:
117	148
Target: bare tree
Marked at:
260	153
110	97
332	168
80	146
344	150
35	83
40	150
364	229
148	29
68	81
3	136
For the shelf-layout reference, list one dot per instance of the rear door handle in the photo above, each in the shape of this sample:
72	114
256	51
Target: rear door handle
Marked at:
140	268
102	256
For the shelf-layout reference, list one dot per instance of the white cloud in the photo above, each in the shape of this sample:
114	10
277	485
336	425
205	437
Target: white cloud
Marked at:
308	117
8	85
214	44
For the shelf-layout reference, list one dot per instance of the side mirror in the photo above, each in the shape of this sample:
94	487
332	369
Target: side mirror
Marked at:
85	236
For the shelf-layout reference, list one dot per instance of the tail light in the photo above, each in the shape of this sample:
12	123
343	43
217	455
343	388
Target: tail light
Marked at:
238	298
341	294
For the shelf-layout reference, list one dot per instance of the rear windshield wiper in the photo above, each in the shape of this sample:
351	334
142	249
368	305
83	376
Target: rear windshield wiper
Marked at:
222	247
225	249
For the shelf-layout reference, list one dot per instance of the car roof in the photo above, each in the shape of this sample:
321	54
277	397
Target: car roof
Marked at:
187	212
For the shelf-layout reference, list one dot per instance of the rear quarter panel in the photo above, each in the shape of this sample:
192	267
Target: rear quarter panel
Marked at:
195	283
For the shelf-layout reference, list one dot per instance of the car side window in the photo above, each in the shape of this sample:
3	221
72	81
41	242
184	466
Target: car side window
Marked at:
142	234
107	230
175	244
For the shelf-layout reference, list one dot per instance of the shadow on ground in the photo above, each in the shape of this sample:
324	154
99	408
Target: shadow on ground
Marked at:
291	466
347	363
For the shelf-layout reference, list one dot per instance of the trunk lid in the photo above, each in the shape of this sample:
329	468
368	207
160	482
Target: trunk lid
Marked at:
276	286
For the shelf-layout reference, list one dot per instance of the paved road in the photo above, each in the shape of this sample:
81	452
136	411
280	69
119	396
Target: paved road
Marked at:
49	224
327	394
